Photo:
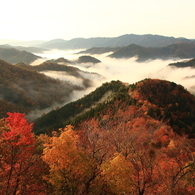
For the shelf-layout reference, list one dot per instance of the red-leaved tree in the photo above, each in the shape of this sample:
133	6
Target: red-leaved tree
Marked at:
20	165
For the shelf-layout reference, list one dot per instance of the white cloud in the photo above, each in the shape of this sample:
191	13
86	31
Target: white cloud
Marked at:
129	70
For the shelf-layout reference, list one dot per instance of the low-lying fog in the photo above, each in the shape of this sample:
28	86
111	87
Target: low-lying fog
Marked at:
126	70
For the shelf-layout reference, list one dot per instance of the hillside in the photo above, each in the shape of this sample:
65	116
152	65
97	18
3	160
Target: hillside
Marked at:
56	118
27	90
80	60
162	100
51	66
147	40
179	50
88	59
60	61
99	50
14	56
58	66
11	107
189	63
120	139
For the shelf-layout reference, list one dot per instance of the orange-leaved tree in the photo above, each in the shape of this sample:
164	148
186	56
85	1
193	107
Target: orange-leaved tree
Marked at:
176	167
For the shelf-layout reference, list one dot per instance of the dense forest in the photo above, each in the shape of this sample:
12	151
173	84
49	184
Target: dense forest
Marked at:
24	89
162	100
135	139
73	112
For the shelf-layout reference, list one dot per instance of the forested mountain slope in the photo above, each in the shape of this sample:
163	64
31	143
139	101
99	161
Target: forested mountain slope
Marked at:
28	90
127	139
89	103
14	56
67	69
159	99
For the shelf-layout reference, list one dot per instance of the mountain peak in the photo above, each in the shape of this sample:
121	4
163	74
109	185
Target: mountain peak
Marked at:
166	100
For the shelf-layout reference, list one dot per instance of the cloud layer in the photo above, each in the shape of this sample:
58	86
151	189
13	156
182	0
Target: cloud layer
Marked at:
128	70
125	70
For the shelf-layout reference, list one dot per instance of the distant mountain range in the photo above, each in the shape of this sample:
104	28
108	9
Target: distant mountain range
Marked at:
144	47
174	51
147	40
121	41
178	50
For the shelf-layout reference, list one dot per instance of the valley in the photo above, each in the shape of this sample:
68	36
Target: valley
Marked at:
97	97
84	122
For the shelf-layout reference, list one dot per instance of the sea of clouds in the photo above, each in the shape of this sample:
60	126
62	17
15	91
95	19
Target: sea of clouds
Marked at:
126	70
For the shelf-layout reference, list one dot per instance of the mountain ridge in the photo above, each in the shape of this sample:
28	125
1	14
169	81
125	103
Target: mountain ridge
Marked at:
147	40
12	55
158	99
24	89
174	51
52	65
183	64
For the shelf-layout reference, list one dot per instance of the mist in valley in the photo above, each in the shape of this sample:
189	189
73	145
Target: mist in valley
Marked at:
125	70
54	54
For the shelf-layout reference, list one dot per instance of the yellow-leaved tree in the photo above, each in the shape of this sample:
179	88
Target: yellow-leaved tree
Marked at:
117	173
70	167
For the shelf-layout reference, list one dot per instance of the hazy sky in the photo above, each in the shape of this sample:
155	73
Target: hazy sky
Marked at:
67	19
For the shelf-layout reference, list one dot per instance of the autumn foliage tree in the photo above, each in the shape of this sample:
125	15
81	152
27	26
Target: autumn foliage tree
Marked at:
120	150
70	168
144	148
20	166
118	175
119	155
175	165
